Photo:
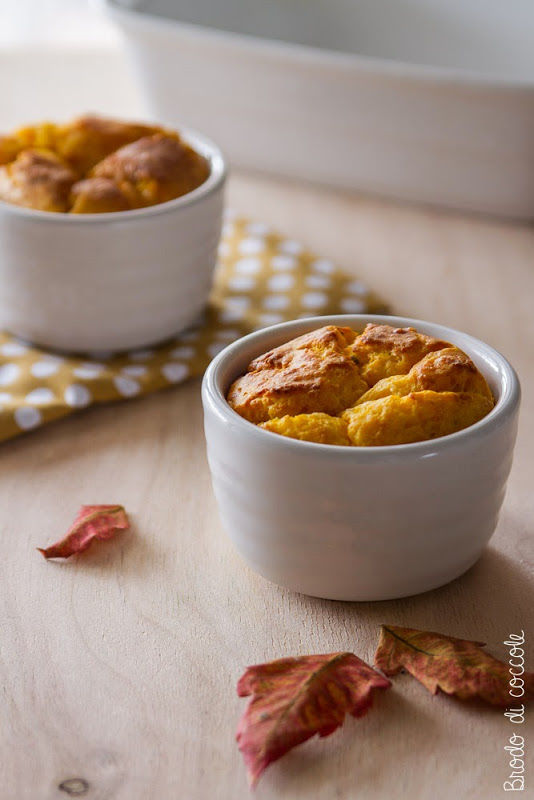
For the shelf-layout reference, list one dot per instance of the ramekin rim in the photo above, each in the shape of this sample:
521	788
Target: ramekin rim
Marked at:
217	176
504	407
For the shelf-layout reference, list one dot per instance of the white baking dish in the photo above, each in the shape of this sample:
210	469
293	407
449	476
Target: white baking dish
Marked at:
424	100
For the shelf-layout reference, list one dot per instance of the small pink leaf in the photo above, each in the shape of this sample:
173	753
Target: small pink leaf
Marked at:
92	522
295	698
457	667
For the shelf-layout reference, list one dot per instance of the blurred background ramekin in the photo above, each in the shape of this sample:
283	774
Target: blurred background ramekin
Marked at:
113	281
370	523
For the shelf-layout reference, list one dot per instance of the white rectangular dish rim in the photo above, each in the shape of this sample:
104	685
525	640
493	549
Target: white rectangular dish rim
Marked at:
400	68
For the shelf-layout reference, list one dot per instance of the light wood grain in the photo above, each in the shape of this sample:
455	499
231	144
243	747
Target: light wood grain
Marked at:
120	668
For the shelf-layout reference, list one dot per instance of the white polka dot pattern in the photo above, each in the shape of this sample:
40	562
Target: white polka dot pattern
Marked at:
249	247
228	334
224	250
276	302
291	247
27	417
248	266
318	282
257	228
175	372
135	370
89	370
46	367
77	395
262	279
269	319
8	374
283	262
125	386
230	315
13	349
314	299
40	397
351	305
323	265
241	283
183	352
280	283
356	287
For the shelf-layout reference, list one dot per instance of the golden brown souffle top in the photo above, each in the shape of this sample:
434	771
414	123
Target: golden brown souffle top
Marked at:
94	165
384	386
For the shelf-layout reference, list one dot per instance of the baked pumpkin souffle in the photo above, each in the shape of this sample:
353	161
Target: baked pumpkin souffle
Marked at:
96	165
385	386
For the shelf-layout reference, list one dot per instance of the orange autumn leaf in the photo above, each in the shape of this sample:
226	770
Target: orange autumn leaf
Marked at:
295	698
92	522
456	666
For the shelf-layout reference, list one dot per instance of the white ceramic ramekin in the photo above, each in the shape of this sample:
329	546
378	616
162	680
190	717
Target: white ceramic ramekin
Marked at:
89	282
371	523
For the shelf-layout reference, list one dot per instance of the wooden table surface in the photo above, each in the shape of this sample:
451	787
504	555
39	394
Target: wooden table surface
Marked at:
119	669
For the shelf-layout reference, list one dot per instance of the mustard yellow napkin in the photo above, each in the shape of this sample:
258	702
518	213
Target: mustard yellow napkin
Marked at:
262	278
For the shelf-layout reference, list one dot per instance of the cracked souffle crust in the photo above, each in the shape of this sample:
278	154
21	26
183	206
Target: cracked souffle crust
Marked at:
384	386
96	165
